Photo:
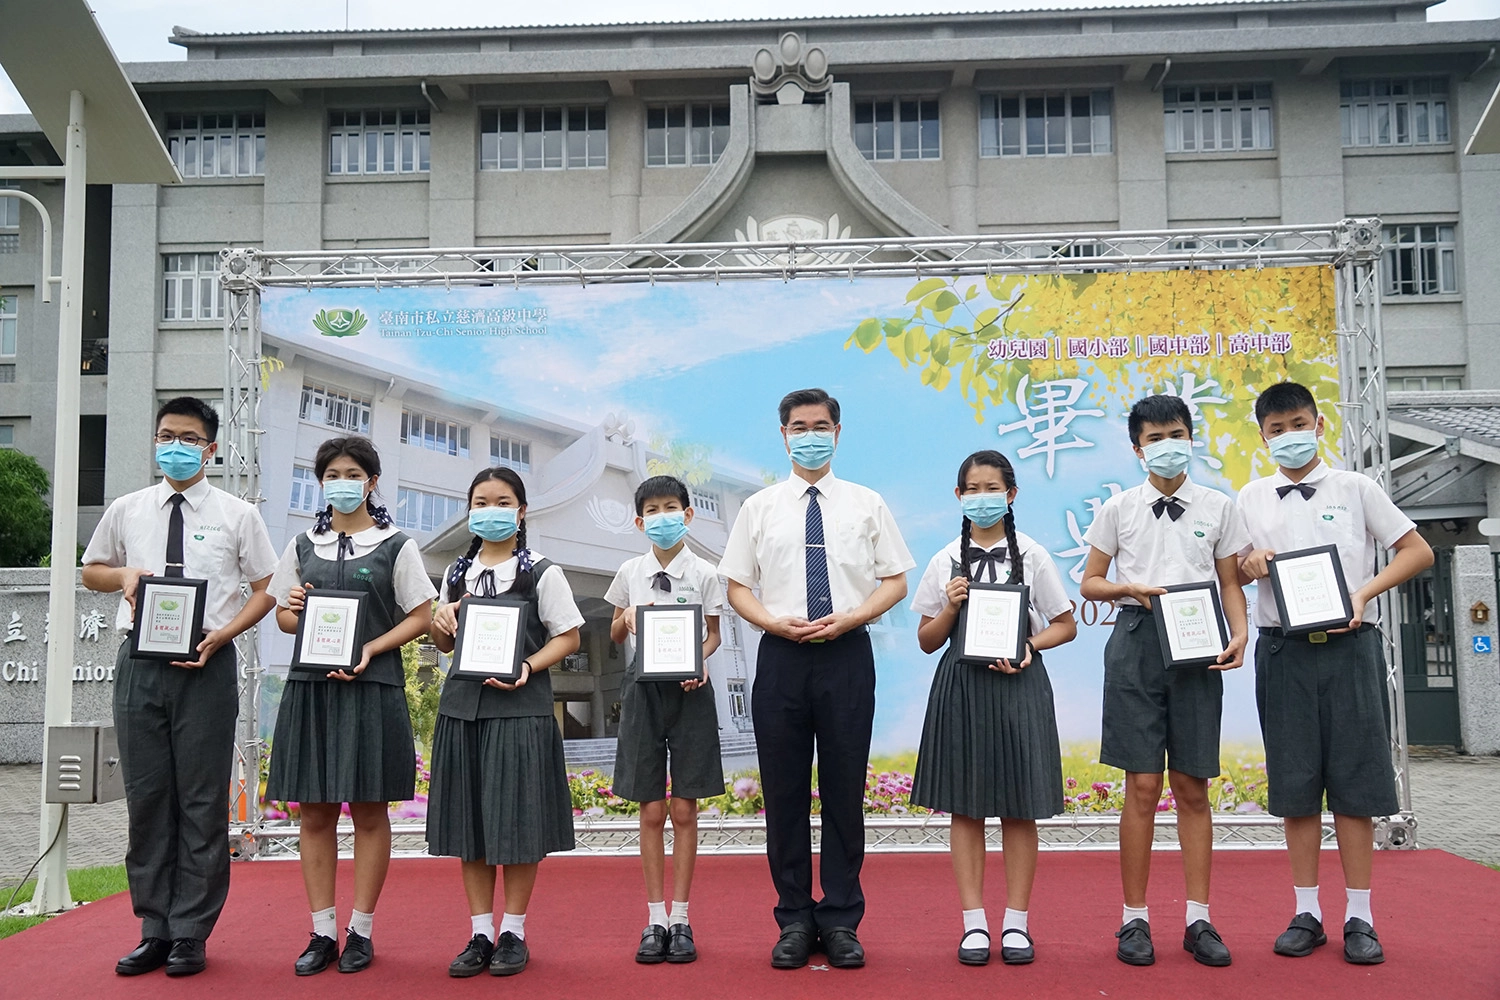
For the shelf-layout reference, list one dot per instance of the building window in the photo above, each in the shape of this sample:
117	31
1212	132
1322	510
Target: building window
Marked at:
898	129
7	435
738	708
1420	260
1388	112
379	142
510	453
306	492
1060	123
191	287
434	433
322	404
1424	383
705	502
423	511
10	220
686	134
9	316
1218	118
542	138
219	145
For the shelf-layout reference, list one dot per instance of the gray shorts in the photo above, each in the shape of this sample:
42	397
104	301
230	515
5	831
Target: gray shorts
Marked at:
658	721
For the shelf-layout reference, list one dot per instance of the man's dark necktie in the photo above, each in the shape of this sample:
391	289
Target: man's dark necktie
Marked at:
819	592
988	559
1171	505
174	537
1306	490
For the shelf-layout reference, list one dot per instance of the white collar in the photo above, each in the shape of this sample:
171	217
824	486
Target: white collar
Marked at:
193	495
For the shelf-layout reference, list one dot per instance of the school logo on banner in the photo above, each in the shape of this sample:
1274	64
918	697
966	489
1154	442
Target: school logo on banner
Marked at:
340	322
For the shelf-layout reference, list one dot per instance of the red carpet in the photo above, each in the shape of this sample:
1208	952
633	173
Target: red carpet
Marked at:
1436	913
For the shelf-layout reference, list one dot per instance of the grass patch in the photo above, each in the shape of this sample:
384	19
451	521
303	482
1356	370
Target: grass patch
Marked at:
86	885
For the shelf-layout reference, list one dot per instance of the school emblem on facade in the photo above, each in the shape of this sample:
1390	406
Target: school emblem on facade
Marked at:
790	229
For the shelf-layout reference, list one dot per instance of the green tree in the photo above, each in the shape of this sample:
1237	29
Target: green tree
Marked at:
687	462
25	518
422	694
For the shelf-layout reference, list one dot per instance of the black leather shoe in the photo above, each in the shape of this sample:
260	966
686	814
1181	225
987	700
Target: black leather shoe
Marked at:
320	953
974	956
511	955
359	952
1204	942
680	947
1361	946
1135	943
148	956
1301	936
187	957
795	945
1017	956
653	949
474	959
842	947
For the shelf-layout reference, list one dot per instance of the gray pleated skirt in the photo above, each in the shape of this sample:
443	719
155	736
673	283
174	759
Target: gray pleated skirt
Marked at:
499	791
989	743
339	741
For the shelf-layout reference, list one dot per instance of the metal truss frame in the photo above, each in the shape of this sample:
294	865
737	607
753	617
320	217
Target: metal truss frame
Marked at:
1351	247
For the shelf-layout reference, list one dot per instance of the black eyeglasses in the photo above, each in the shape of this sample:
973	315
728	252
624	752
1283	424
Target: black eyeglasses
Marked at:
191	440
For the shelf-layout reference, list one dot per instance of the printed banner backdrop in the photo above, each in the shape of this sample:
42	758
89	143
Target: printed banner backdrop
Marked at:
1042	367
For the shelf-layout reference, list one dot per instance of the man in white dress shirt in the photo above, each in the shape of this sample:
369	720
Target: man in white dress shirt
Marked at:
828	559
175	721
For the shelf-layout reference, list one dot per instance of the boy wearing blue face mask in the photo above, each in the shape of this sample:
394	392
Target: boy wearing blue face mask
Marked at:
1168	530
1322	696
661	721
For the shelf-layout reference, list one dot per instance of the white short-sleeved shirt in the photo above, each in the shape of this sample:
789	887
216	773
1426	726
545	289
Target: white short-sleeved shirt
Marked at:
411	584
767	546
1048	599
554	598
1158	551
224	541
693	579
1347	509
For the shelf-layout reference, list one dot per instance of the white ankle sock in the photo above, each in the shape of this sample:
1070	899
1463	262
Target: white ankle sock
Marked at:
1307	901
326	923
1358	905
362	923
1196	912
515	923
679	911
483	923
656	913
1015	920
1135	913
974	920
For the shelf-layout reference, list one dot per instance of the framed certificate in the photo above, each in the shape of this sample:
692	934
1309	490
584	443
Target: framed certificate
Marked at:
328	632
669	642
1190	621
1311	595
488	643
992	623
168	618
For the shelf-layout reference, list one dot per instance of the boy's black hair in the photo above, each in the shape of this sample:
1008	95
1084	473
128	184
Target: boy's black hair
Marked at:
525	562
807	397
1284	397
1158	410
661	486
192	406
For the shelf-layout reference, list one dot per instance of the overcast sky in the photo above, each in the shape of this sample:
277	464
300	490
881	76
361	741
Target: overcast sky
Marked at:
138	29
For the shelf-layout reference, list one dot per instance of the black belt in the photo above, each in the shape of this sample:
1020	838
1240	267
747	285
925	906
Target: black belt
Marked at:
1137	608
1316	637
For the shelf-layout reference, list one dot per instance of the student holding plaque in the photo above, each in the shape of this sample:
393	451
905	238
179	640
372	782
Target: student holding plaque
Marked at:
499	795
1322	694
344	735
666	721
1166	531
175	720
989	743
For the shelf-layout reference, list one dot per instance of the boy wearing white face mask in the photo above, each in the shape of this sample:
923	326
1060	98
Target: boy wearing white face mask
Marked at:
659	720
1167	531
1321	696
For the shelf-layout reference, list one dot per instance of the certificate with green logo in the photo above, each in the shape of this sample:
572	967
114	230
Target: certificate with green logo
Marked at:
669	642
992	623
328	633
168	618
1311	595
489	640
1190	620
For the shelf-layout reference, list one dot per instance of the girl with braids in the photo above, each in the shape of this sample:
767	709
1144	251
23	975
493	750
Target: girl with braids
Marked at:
499	793
989	743
345	736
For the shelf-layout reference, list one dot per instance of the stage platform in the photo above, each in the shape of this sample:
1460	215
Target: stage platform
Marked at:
1436	914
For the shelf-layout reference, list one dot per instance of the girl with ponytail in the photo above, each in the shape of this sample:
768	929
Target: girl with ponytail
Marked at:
499	795
989	742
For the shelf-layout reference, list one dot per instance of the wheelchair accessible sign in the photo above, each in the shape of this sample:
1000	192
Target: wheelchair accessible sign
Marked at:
1482	644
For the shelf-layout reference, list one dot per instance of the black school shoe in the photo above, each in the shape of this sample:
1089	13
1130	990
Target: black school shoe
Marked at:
1301	936
511	955
474	959
795	944
321	952
188	957
653	949
359	952
842	947
680	947
1135	943
1361	946
1204	942
148	956
1017	956
974	956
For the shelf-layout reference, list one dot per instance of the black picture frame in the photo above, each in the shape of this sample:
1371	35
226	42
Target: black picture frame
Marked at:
1278	567
305	660
970	648
1208	592
147	644
651	617
475	615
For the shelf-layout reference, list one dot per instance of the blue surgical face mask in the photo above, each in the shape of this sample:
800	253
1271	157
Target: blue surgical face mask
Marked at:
666	529
1168	457
985	509
494	524
345	495
1294	449
811	449
179	462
